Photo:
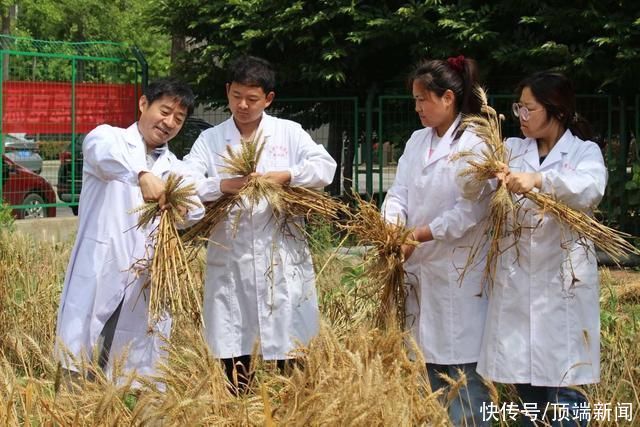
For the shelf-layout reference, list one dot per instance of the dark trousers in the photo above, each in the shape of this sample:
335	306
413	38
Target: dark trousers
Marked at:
105	340
560	405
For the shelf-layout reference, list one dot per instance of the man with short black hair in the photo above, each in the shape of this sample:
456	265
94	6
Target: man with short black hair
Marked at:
260	285
102	306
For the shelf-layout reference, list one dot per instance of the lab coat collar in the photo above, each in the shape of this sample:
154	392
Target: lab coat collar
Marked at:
530	155
559	150
562	147
163	162
444	146
133	137
232	134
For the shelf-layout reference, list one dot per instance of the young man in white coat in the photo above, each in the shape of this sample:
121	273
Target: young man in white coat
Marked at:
101	307
260	290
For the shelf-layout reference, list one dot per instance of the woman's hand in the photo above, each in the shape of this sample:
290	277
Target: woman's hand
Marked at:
420	234
523	182
408	249
503	173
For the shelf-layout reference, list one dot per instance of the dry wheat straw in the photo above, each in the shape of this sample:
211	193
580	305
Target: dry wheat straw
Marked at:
384	261
483	166
284	201
171	285
489	164
355	375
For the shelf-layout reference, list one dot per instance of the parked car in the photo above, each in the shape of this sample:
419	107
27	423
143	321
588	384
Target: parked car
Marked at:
65	176
180	146
182	143
23	151
20	186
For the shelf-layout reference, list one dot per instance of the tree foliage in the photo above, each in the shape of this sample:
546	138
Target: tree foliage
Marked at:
92	20
349	46
364	48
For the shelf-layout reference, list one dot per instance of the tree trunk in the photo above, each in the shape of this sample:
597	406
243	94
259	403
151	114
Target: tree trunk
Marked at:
335	149
6	29
178	45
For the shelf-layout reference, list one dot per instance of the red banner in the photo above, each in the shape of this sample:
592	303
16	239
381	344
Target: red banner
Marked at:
45	107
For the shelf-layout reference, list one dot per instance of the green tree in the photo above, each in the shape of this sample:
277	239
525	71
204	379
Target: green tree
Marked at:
92	20
320	48
363	48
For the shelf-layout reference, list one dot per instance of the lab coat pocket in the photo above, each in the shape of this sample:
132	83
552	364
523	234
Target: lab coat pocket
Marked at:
579	270
299	275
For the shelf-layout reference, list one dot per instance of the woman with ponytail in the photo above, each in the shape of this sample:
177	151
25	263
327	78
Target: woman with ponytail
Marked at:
445	312
543	325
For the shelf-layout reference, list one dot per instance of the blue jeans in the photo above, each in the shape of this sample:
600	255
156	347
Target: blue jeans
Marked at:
465	409
561	403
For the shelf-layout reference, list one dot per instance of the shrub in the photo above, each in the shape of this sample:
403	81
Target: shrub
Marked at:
6	217
50	150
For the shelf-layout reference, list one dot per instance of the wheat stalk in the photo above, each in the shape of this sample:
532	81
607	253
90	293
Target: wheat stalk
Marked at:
384	261
490	163
483	166
171	285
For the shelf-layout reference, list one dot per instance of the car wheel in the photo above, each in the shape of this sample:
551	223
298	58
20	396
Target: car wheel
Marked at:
35	209
74	209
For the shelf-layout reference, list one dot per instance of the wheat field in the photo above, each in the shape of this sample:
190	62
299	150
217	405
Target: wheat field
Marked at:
352	374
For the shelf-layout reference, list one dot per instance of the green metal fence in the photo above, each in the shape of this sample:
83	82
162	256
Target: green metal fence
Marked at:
52	93
607	115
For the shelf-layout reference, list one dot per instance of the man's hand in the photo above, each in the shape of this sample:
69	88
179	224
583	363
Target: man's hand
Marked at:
152	188
420	235
278	177
234	185
523	182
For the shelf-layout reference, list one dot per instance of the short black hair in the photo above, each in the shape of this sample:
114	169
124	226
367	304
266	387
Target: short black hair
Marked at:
173	88
253	71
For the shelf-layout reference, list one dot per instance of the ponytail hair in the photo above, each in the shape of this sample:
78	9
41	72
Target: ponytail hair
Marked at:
580	127
554	91
457	74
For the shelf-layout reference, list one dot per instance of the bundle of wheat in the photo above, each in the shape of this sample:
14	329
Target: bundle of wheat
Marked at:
172	289
285	202
491	163
384	261
613	242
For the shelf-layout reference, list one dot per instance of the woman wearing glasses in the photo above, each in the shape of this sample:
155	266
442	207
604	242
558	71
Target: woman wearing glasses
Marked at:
543	324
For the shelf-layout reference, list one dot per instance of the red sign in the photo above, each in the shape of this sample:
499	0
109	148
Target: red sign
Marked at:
45	107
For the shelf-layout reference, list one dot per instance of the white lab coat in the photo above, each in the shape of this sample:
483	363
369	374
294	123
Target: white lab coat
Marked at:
107	244
260	283
543	326
446	316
